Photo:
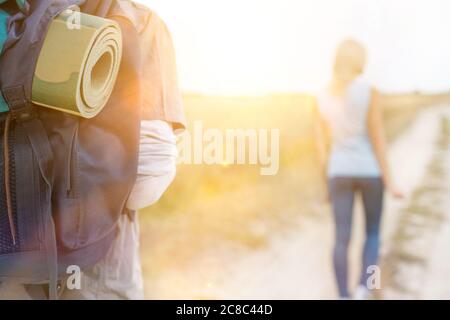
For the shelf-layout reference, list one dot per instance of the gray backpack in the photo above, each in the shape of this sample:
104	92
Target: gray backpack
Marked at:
64	180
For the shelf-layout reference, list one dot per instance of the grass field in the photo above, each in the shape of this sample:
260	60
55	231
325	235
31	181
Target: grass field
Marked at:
234	206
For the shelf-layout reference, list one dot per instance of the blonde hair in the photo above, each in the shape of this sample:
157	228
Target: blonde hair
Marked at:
350	60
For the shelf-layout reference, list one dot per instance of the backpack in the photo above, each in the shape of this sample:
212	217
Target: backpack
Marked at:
64	180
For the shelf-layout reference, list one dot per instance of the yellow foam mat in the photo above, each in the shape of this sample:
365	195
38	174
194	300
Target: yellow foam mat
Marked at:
78	64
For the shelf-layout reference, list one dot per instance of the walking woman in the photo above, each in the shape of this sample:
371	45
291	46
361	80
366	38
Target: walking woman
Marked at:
354	160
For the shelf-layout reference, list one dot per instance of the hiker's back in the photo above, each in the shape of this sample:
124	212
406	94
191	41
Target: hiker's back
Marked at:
352	153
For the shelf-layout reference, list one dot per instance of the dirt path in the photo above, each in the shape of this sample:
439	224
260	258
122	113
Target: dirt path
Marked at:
297	264
417	259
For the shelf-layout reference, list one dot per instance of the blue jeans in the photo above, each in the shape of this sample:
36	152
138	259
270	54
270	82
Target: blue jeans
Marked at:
342	194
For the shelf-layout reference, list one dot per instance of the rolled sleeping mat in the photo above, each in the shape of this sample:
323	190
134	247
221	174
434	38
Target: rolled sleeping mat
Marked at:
78	64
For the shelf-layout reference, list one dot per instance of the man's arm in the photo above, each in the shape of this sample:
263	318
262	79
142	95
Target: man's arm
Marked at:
157	164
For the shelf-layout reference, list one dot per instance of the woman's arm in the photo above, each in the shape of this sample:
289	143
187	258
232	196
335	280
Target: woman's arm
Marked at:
378	140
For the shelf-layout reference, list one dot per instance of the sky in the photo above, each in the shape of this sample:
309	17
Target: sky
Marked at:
233	47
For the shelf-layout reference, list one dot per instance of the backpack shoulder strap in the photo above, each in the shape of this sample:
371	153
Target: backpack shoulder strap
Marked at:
17	64
24	113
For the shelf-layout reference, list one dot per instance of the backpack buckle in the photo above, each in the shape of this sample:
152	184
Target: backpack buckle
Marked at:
25	113
21	110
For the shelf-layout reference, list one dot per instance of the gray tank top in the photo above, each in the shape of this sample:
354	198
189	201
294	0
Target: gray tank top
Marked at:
352	154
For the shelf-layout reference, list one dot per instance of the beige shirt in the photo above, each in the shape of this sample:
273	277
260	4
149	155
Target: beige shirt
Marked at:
162	97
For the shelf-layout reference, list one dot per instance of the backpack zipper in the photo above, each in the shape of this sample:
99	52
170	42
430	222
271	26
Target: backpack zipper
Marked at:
7	180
